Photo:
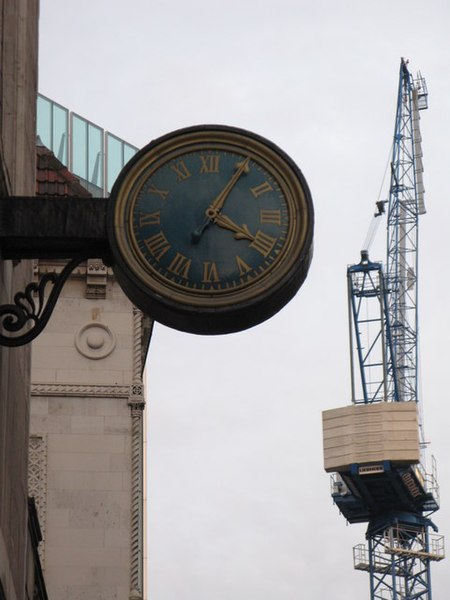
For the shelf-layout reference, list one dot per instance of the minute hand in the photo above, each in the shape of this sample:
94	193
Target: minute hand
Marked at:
218	203
216	206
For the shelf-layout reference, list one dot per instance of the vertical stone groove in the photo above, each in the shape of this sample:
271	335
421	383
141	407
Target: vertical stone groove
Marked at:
136	402
37	484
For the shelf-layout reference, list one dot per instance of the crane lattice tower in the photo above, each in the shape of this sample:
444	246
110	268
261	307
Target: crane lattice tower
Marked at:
374	448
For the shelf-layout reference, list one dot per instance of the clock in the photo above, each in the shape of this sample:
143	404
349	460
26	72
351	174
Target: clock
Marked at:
211	229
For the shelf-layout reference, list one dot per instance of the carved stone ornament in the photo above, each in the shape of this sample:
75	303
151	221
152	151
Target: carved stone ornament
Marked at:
96	278
76	390
37	483
95	341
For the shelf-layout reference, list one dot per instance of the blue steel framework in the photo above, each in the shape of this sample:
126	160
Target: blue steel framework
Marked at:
368	314
405	206
396	500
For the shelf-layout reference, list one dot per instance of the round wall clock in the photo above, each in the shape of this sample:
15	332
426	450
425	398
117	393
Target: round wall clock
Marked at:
211	229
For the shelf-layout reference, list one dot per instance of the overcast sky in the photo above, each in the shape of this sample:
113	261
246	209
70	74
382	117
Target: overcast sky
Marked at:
239	504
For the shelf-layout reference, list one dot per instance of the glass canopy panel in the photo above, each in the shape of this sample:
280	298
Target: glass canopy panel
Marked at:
79	147
44	121
128	152
118	153
113	159
60	133
53	127
95	155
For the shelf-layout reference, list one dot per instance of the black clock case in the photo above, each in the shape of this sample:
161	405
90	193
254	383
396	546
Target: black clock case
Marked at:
219	320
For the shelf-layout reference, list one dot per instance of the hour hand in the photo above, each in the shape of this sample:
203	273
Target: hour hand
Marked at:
241	232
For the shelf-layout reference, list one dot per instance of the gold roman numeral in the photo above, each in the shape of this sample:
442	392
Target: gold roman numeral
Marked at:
181	170
157	245
242	266
263	243
180	265
210	274
270	216
149	219
152	189
263	188
210	163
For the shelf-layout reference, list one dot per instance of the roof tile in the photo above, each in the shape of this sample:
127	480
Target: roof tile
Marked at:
53	178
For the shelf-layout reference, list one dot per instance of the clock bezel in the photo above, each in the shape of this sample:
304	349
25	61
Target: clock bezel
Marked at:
210	311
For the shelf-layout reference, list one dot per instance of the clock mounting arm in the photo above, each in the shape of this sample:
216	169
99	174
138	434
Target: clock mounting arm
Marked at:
69	228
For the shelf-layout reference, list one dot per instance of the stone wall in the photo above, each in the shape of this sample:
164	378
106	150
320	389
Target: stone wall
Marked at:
84	442
18	88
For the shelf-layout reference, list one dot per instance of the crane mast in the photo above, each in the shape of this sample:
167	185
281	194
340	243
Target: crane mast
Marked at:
405	205
373	447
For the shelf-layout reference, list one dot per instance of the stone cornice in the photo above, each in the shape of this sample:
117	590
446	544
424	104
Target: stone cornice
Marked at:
65	389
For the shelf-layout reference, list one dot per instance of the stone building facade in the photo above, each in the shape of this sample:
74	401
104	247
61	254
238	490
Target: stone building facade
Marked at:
18	88
80	454
86	428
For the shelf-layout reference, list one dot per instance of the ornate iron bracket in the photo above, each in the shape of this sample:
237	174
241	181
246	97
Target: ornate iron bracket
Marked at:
30	311
47	227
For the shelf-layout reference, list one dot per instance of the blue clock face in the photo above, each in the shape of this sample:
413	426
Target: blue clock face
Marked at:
211	229
211	220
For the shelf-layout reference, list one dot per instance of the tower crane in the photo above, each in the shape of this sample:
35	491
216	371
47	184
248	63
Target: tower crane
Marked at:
374	448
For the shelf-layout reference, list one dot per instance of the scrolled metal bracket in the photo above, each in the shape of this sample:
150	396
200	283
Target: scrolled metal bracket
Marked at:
70	228
31	310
